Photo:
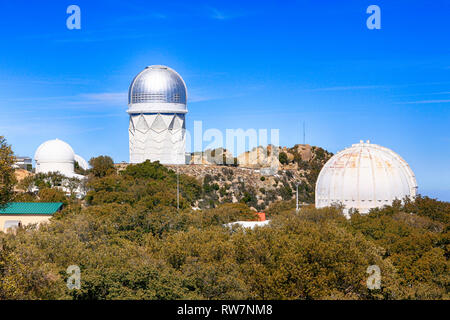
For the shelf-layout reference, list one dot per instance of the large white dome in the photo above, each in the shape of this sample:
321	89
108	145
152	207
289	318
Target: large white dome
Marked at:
364	176
54	151
157	89
55	156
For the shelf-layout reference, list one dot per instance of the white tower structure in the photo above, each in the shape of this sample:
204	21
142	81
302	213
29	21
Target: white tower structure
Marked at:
57	156
364	176
157	107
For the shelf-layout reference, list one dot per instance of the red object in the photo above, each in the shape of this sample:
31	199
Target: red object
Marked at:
261	216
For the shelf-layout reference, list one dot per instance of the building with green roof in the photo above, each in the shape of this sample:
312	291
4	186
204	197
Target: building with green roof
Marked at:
16	214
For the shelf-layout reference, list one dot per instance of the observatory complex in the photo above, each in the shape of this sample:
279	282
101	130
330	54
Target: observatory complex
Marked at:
363	177
157	100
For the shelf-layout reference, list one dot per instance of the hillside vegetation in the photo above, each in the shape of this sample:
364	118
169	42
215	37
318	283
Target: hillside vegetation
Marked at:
131	242
248	183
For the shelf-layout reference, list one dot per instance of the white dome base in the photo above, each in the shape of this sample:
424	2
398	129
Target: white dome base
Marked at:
63	168
157	137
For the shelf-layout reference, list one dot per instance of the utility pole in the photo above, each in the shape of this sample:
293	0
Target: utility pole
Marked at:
178	190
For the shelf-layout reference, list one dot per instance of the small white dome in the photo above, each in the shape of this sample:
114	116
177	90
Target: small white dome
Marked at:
364	176
55	151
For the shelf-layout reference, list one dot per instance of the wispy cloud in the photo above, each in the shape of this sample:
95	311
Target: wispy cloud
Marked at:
444	92
112	33
46	81
73	117
383	86
98	38
105	97
50	128
83	98
142	17
217	14
346	88
425	101
209	94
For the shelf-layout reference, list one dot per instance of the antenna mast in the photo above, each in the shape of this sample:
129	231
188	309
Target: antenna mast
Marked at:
304	133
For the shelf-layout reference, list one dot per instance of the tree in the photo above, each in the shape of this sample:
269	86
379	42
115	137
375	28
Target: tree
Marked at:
78	169
52	195
283	158
101	166
7	177
416	241
132	242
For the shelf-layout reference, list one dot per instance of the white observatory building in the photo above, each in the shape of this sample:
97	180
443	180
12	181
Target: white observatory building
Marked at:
157	101
363	177
58	156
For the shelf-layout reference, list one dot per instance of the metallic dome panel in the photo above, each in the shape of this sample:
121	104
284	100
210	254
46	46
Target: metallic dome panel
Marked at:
157	84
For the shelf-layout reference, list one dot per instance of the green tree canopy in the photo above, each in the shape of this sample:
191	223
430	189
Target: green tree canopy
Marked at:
101	165
7	177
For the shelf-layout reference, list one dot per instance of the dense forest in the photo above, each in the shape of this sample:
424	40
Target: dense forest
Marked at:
131	242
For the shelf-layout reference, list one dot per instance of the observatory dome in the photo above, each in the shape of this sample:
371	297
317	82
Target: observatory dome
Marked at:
363	177
55	155
54	151
157	89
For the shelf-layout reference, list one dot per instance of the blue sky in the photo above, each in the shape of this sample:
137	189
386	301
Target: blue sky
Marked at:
252	64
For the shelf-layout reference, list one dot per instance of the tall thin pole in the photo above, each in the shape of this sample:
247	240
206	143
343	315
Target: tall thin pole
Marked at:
178	190
296	199
304	132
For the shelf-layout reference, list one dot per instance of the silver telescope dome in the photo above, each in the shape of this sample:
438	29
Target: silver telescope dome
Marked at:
157	89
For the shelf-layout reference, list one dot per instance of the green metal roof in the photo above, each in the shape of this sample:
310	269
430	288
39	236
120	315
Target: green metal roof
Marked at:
37	208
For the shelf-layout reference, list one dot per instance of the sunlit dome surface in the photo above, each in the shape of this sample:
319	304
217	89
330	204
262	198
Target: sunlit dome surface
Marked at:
364	176
157	89
81	162
55	151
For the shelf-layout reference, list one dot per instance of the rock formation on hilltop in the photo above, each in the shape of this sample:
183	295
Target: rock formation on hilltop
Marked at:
246	178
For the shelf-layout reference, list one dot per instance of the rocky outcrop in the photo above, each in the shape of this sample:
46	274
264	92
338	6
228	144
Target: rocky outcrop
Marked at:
258	177
259	157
